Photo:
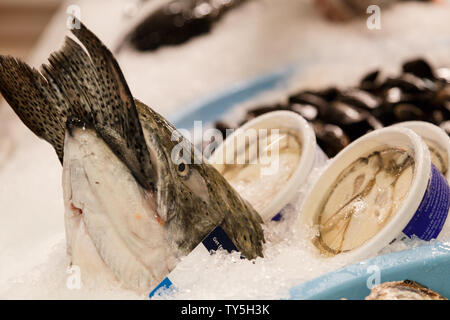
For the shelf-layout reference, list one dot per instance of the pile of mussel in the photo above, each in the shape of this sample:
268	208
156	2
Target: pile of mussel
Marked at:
340	116
178	21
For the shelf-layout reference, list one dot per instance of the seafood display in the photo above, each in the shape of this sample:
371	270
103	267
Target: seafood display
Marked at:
403	290
178	21
340	116
363	199
130	211
288	205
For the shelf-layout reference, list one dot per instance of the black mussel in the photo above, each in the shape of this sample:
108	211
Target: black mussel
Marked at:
408	112
177	22
330	138
312	99
385	114
440	106
355	122
343	113
442	97
260	110
408	83
389	114
369	82
307	111
359	98
358	129
420	68
329	94
395	96
441	112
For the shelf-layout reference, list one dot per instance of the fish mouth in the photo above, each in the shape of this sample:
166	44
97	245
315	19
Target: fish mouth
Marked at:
111	221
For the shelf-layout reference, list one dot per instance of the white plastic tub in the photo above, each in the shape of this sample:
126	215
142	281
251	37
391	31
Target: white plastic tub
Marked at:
422	211
431	132
311	155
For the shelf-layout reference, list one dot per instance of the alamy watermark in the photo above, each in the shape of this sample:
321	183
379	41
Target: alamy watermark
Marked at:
374	20
73	21
375	276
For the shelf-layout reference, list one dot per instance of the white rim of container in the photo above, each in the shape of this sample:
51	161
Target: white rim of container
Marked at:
431	132
390	136
280	120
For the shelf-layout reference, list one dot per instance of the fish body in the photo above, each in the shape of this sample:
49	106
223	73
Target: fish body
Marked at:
403	290
131	210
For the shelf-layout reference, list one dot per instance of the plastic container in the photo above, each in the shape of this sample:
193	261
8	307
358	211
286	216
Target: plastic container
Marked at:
311	156
430	132
423	210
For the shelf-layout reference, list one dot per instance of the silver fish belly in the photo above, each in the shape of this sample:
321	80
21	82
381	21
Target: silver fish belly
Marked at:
107	210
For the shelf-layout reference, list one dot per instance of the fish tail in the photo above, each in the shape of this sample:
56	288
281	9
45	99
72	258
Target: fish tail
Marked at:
28	93
85	85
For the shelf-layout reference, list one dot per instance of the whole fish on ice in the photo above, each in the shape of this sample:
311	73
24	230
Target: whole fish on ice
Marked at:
130	211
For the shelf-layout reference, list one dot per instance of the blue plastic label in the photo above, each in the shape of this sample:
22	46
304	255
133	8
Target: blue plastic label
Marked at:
218	239
430	217
165	284
277	217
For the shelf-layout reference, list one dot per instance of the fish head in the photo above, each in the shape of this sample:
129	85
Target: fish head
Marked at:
137	194
118	227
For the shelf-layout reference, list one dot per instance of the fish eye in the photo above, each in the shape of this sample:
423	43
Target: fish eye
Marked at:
183	168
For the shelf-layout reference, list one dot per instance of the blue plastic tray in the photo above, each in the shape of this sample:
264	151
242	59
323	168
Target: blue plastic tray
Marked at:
429	265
